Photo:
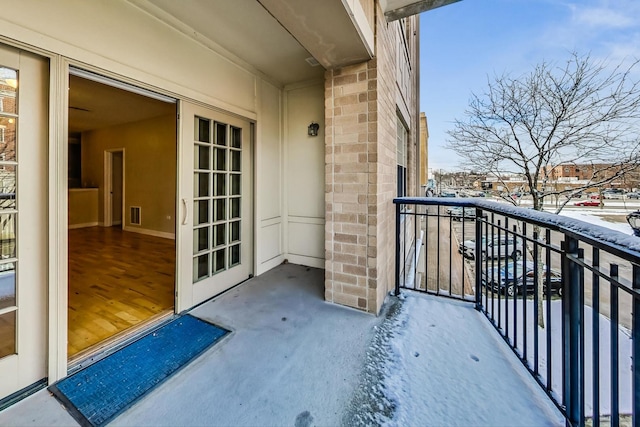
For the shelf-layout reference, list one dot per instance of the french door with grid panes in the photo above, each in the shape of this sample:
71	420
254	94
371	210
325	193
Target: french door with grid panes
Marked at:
216	201
23	219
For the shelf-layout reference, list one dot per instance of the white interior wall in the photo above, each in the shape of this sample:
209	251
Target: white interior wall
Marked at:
304	180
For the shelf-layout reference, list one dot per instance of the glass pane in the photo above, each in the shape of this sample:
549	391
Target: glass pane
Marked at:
7	285
7	236
200	239
203	130
220	184
220	213
220	237
235	231
202	157
7	139
7	334
236	137
7	187
234	255
221	159
235	185
221	134
202	185
235	208
8	85
218	263
235	161
200	267
201	212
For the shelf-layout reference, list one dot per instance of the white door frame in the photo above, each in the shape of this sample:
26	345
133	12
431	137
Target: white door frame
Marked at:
108	186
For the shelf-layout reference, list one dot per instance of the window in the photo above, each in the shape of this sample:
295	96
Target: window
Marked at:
402	142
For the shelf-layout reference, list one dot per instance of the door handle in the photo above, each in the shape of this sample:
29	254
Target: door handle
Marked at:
184	212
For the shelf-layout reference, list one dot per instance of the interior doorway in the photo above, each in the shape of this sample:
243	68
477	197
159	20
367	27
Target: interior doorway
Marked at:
123	160
114	187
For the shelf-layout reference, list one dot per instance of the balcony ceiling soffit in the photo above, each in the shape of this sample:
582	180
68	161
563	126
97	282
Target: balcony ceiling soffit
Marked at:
397	9
328	29
239	29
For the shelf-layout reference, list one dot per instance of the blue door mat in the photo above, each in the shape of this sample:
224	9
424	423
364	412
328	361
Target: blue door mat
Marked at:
98	393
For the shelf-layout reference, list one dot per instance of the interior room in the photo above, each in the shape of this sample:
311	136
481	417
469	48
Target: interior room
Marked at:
121	211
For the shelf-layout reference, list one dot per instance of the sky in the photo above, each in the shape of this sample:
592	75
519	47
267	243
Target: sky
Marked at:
466	44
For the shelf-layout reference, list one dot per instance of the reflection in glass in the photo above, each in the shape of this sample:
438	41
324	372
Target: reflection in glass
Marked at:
7	285
235	208
221	159
235	185
234	254
221	134
220	184
200	267
202	184
7	188
220	237
200	239
201	212
220	209
7	236
8	139
235	161
218	260
204	134
202	157
236	137
8	86
7	334
235	231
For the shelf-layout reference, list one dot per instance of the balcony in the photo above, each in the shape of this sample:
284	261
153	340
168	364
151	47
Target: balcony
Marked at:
294	359
560	292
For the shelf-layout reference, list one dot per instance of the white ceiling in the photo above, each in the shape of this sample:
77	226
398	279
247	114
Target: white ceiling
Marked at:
245	29
94	105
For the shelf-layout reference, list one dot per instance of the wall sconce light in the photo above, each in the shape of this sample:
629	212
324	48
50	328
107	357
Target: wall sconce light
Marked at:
313	128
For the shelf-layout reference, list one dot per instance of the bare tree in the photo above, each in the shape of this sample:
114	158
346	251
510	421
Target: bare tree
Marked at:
580	113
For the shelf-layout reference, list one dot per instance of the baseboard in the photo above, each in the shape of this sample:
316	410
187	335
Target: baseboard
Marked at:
84	225
269	264
306	260
155	233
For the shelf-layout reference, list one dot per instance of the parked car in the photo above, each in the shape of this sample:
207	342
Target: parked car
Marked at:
447	193
590	202
457	213
502	280
502	248
613	194
633	195
496	248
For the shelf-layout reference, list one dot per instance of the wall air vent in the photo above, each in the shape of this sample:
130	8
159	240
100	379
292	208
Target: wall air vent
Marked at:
135	215
312	61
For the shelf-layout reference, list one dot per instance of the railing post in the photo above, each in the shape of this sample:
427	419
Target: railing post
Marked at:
572	319
478	259
635	355
398	210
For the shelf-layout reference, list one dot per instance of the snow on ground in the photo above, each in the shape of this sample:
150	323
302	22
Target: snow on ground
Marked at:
592	217
443	364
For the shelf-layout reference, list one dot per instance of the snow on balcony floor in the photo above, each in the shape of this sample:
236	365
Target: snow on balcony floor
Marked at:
294	359
436	361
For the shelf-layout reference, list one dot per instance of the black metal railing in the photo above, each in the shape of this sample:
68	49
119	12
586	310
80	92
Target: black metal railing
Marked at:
561	292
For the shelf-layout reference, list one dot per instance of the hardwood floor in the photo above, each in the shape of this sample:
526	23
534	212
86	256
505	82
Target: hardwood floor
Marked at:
117	280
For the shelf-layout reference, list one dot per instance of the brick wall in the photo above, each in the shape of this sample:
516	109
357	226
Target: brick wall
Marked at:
360	162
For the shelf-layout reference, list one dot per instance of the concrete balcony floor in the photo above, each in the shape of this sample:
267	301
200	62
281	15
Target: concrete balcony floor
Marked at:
293	359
